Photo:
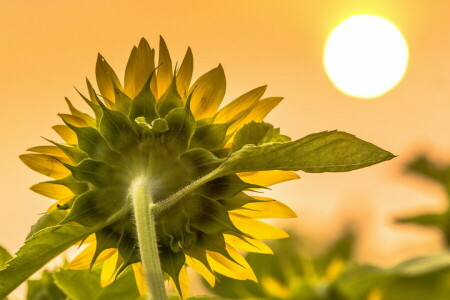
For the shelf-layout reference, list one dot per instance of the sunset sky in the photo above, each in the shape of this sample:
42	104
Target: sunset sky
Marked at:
48	47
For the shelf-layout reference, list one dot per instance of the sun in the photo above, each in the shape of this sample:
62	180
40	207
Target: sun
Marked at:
365	56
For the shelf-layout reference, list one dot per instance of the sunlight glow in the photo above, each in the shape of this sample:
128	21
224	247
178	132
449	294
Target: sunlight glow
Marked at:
365	56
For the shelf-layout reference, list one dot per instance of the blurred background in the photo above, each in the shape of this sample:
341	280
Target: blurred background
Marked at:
49	46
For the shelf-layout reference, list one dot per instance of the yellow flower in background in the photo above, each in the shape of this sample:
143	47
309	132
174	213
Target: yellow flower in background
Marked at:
159	124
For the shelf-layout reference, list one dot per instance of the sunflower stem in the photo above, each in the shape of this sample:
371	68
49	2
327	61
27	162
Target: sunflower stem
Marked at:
148	244
171	200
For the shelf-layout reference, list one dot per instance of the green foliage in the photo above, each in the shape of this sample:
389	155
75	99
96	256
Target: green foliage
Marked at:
44	289
333	275
440	174
38	250
329	151
4	257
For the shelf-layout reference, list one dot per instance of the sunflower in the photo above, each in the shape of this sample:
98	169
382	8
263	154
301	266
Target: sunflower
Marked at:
159	124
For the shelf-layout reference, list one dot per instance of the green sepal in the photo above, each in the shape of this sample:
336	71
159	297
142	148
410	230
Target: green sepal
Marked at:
122	101
75	186
38	250
106	238
200	255
49	219
144	104
225	187
169	100
171	263
96	172
117	129
181	127
95	207
95	107
221	152
93	143
92	93
328	151
237	201
210	136
257	133
159	126
208	215
128	248
216	243
73	152
200	161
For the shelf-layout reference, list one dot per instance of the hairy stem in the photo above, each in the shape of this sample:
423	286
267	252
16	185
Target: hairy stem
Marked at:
171	200
148	243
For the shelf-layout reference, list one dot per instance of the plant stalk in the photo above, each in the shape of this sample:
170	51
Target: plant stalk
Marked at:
148	244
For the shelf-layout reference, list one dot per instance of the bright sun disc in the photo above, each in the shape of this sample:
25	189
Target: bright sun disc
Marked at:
365	56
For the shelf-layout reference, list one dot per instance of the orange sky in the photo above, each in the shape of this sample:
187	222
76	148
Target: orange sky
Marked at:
49	46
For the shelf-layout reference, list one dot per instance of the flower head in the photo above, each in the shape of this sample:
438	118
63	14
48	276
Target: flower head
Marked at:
160	128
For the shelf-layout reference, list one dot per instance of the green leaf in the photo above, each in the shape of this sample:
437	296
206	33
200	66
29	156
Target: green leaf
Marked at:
47	220
44	289
4	257
423	166
332	151
200	160
225	187
257	133
422	265
79	285
37	251
438	220
124	288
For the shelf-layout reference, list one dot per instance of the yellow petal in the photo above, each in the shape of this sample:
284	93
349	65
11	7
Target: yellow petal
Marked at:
242	261
109	269
66	134
268	178
52	151
226	267
237	107
256	113
140	64
184	75
247	244
46	165
257	229
275	288
54	191
88	240
334	269
200	268
207	93
140	278
269	208
83	260
74	120
184	283
75	112
164	72
49	150
92	94
105	76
